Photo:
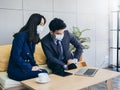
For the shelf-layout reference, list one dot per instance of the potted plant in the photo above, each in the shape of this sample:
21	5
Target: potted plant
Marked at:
78	35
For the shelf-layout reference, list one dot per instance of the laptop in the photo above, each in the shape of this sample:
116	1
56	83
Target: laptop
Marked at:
86	72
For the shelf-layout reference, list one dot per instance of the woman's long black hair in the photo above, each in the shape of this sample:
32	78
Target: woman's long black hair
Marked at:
31	27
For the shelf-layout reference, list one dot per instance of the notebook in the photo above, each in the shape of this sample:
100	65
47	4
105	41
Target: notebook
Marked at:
86	72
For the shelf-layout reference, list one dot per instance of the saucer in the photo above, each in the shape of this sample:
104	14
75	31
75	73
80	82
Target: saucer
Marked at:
38	81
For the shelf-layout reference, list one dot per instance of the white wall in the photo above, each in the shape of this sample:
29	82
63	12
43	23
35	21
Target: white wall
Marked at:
92	14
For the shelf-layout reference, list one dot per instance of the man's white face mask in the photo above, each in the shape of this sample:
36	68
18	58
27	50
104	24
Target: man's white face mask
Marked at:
59	37
39	29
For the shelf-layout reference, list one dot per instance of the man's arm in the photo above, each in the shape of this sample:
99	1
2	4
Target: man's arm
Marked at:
77	45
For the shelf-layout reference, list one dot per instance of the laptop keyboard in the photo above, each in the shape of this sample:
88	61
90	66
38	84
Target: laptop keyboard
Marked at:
89	71
86	72
81	71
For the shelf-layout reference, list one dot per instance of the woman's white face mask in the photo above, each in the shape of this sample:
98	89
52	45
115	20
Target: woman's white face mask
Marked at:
39	29
59	37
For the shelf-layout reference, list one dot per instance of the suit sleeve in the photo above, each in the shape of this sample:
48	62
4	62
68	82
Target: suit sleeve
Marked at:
49	54
18	43
77	45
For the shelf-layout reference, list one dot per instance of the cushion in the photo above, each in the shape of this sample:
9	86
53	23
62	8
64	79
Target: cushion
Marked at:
4	56
5	53
82	63
39	55
7	82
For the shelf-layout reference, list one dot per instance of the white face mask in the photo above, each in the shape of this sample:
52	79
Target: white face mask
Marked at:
59	37
39	29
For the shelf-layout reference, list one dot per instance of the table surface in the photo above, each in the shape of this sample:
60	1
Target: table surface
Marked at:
72	82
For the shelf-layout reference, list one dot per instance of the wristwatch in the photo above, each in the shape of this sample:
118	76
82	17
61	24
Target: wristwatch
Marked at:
65	67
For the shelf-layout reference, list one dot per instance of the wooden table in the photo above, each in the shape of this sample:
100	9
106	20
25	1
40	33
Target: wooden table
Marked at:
73	82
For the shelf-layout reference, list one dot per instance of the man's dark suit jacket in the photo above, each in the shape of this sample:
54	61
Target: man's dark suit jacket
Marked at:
50	49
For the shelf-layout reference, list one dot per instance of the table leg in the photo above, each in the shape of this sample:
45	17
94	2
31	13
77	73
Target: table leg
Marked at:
1	88
89	88
109	84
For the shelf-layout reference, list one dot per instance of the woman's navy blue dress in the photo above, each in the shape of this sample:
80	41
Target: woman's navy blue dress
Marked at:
21	59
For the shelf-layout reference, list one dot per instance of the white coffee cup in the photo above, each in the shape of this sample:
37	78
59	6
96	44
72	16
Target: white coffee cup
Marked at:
43	77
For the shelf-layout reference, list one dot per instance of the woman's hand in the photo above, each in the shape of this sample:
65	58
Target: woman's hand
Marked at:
35	68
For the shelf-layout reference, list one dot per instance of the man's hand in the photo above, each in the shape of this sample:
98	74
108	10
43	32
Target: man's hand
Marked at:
70	61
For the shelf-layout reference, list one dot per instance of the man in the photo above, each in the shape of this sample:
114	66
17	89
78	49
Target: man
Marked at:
56	48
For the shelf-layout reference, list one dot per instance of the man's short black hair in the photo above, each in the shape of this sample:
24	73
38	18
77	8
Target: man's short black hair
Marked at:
57	24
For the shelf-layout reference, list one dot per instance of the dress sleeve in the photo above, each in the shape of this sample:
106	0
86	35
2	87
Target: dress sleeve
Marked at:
18	44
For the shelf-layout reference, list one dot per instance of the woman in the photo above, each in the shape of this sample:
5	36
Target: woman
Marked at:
21	63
